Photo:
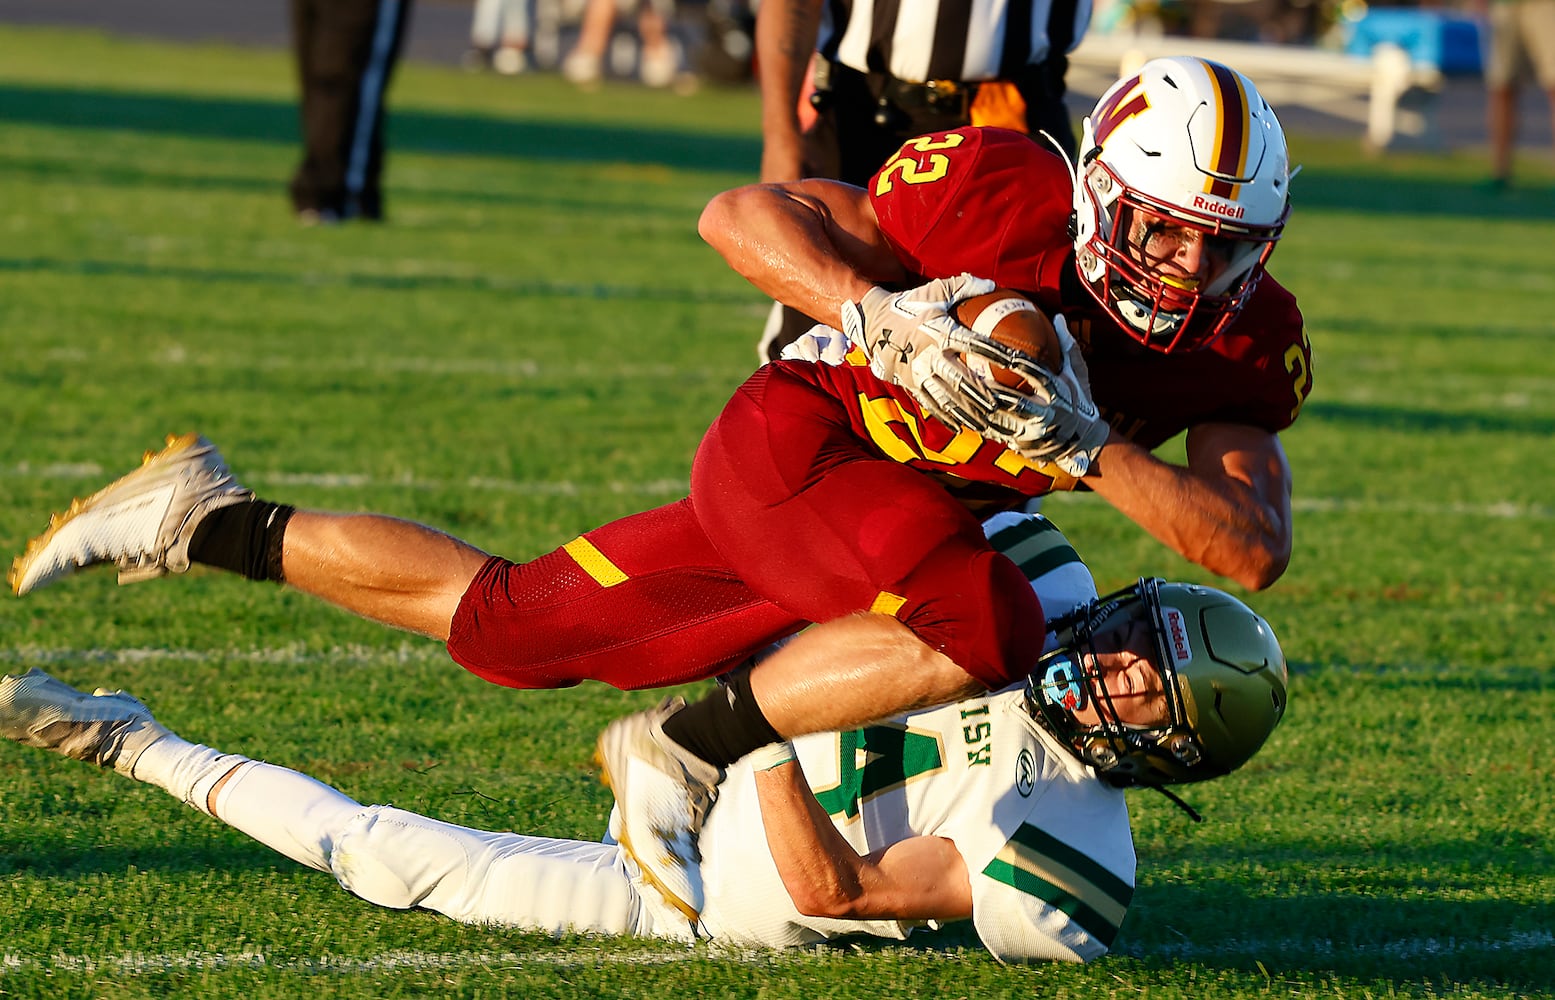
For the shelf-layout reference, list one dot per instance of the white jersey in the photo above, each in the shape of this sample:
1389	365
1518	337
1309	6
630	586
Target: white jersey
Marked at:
1046	844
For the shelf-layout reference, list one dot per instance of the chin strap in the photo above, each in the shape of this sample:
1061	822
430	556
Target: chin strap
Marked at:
1058	147
1193	813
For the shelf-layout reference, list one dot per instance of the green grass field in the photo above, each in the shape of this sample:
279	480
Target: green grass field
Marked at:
533	345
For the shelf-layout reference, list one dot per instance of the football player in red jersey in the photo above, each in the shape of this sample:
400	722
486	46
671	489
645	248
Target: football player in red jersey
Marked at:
1154	252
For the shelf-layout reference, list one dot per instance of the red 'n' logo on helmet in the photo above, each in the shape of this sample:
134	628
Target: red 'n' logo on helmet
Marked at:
1125	102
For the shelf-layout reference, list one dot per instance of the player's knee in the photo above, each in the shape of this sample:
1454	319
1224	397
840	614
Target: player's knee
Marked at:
988	621
1019	624
389	859
493	633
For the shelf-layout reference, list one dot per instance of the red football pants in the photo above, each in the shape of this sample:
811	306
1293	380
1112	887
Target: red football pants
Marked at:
792	519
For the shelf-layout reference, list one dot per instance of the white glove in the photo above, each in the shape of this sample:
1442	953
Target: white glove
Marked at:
1056	422
892	328
913	340
820	344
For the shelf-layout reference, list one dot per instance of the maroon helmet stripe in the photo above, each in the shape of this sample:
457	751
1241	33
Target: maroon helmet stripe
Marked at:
1231	147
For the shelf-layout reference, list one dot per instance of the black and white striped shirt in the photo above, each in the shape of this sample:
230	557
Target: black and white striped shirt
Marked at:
970	40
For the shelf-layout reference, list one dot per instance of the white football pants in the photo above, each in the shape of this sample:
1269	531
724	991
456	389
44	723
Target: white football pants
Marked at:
400	860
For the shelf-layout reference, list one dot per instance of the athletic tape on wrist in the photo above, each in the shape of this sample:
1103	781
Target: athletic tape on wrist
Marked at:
770	756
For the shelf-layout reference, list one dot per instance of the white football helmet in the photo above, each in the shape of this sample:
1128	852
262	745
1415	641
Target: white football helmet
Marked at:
1180	162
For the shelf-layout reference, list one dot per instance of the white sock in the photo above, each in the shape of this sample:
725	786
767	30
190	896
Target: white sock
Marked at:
185	770
286	811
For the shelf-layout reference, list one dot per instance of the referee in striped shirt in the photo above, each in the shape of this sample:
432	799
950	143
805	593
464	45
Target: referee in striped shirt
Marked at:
888	70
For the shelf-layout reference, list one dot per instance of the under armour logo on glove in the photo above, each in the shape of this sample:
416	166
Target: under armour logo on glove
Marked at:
890	326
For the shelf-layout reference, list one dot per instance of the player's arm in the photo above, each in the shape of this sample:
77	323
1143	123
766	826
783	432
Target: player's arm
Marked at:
1228	509
813	245
921	878
786	31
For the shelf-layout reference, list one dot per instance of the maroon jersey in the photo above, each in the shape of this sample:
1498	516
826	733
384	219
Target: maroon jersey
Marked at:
994	203
984	475
794	517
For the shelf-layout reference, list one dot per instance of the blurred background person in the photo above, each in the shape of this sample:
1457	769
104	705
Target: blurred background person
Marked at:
658	56
346	51
843	85
499	36
1521	47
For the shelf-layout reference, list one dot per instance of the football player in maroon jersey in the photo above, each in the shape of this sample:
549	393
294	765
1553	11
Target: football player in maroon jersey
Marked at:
1153	251
818	495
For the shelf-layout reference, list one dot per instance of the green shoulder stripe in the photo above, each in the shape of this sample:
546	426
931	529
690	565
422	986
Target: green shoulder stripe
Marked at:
1035	545
1064	878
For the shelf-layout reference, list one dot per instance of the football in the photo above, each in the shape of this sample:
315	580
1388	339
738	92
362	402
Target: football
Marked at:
1014	321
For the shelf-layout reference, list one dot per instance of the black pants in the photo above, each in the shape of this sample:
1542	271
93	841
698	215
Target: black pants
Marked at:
854	134
346	52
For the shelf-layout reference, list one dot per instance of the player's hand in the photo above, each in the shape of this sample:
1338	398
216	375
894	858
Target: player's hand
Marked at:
1056	422
821	344
894	328
912	339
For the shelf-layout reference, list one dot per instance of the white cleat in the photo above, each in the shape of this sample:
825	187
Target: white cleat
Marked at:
663	794
108	728
141	523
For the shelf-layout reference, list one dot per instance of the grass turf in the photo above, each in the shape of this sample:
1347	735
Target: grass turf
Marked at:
532	346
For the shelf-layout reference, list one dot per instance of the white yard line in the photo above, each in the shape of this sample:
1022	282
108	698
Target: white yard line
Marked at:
1401	948
1502	510
488	368
93	474
137	963
283	656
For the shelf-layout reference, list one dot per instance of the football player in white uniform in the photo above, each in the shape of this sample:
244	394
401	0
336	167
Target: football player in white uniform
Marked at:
1002	809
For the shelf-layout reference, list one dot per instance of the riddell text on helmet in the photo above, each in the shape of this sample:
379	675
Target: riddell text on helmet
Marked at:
1224	208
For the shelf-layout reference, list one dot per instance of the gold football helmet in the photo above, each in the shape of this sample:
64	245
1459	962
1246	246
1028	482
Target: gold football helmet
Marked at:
1221	670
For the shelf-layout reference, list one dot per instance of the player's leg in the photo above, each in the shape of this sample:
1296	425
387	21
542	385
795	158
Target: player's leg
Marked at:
1501	124
399	860
387	569
932	612
1505	63
183	506
658	56
1538	31
512	54
645	601
114	729
485	29
584	64
386	856
917	608
806	687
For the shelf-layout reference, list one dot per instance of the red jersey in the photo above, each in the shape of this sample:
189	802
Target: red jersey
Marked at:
995	203
978	472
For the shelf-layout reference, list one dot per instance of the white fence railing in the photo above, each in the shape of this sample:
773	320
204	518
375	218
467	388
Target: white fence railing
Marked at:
1385	92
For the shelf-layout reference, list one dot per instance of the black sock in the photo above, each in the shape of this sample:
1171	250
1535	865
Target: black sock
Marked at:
724	726
244	538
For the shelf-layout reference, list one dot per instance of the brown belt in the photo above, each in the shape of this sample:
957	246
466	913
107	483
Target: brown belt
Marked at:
952	98
945	97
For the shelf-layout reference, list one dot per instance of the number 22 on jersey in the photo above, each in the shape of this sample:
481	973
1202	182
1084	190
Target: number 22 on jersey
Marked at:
917	162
